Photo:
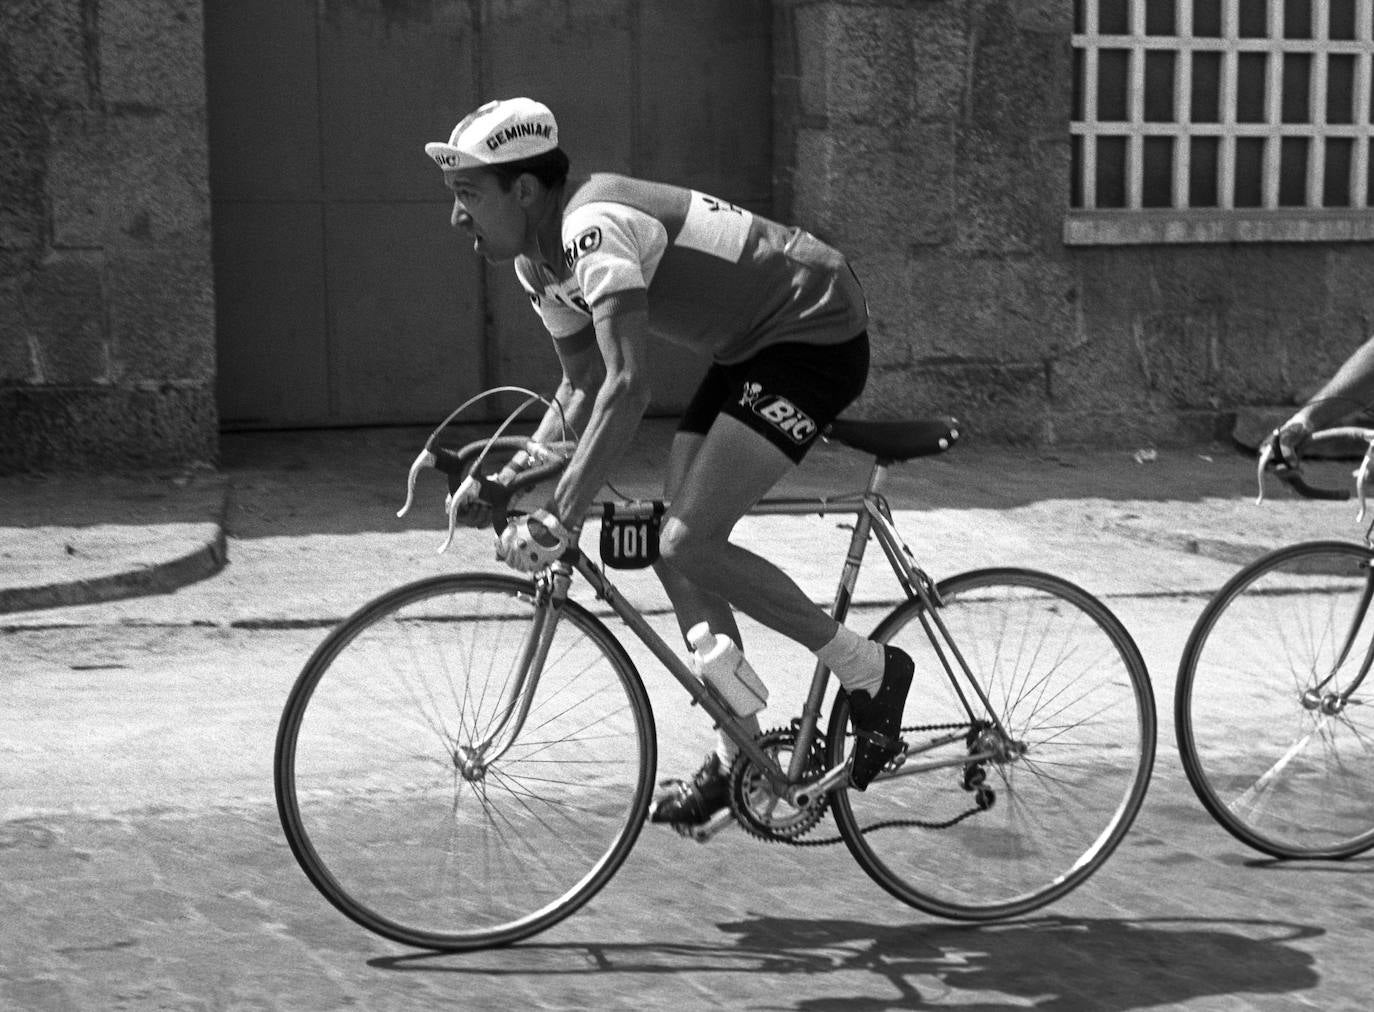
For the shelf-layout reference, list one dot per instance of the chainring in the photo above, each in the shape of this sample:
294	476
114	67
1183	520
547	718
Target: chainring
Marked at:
758	810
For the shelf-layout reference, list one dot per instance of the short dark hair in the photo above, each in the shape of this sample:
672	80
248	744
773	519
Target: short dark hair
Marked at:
550	168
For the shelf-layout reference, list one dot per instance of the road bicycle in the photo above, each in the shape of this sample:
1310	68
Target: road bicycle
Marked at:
468	759
1272	720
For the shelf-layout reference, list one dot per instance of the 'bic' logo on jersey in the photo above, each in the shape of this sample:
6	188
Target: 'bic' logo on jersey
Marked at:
779	412
586	242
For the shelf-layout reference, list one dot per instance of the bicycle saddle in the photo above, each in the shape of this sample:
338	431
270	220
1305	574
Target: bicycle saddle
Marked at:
894	442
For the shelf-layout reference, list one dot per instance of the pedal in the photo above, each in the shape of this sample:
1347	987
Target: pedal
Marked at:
704	832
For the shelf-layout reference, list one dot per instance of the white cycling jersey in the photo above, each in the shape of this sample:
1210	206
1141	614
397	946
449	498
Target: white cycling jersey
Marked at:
715	276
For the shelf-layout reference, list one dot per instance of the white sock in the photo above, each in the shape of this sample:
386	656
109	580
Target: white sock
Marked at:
725	745
857	662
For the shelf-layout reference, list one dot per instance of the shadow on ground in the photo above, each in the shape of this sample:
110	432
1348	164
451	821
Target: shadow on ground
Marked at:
1053	963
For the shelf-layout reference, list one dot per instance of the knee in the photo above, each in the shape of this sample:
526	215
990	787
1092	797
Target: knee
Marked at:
679	546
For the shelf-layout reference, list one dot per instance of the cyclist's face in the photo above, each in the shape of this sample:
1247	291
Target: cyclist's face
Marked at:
495	218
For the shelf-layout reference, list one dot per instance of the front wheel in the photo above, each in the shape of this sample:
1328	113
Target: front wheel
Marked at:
397	811
1002	808
1273	748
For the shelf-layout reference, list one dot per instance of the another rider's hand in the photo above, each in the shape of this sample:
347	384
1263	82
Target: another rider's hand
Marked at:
1287	439
532	542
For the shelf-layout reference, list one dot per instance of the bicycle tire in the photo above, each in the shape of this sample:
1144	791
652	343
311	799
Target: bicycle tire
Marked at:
1286	780
369	766
1071	686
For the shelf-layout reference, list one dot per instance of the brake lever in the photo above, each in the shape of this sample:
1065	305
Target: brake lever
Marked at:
424	460
451	508
1266	454
1361	473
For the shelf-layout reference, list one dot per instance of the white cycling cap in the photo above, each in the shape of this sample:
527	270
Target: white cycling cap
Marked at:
506	130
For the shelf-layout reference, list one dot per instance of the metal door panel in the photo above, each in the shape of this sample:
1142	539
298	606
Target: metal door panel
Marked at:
405	318
269	294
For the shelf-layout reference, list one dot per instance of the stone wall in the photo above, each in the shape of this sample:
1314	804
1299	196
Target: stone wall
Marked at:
929	139
107	350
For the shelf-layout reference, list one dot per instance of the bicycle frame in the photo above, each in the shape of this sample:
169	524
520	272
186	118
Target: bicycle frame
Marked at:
872	518
446	833
1314	699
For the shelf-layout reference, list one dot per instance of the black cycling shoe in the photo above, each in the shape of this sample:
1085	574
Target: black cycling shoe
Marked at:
693	802
877	719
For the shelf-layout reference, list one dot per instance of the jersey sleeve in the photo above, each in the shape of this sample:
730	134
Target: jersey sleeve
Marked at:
612	248
561	319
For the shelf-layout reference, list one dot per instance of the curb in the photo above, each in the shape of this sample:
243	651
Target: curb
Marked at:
161	578
140	577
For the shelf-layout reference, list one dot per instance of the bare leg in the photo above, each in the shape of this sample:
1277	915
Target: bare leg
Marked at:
691	604
715	480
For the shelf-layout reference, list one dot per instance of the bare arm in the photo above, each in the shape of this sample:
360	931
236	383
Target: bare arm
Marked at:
1343	394
583	373
1349	390
622	336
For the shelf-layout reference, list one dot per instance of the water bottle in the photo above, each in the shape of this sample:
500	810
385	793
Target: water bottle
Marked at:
721	666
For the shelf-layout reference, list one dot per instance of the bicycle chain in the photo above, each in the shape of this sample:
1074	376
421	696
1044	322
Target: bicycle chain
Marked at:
887	824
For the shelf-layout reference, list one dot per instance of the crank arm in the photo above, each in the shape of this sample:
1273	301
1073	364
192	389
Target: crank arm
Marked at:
708	829
805	795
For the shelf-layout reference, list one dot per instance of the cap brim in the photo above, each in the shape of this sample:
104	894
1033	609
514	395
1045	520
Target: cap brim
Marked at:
446	156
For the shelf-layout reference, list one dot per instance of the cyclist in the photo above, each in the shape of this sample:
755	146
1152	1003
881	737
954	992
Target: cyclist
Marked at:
1349	390
607	261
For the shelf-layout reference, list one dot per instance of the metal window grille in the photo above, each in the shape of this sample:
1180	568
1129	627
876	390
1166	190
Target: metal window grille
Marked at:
1207	120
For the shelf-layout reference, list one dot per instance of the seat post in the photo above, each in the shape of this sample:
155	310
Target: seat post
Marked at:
877	478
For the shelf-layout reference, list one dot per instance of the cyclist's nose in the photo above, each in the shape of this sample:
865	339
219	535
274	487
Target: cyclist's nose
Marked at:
461	218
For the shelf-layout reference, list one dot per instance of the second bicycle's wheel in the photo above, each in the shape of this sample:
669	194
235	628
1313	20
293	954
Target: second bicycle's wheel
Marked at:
397	815
1270	750
1073	697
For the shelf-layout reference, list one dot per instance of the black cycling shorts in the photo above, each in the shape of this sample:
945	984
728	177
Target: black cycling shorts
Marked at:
788	393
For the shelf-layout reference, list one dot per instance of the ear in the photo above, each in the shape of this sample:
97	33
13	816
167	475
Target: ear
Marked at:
528	188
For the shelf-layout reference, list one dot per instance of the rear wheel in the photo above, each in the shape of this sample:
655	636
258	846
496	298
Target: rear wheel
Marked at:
1007	819
397	814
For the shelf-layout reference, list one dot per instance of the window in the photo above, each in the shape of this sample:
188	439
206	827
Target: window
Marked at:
1222	121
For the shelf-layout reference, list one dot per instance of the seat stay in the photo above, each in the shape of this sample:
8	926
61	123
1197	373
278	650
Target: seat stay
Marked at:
919	585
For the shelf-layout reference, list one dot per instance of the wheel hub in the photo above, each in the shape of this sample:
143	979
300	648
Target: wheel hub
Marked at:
468	762
1329	703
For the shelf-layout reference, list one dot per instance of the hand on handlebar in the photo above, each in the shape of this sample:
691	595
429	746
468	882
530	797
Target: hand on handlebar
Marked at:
1287	440
476	501
1280	453
465	505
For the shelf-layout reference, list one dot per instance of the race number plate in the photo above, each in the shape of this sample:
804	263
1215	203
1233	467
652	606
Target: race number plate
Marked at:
629	535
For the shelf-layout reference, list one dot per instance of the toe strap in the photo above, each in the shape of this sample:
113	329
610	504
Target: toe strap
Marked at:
881	740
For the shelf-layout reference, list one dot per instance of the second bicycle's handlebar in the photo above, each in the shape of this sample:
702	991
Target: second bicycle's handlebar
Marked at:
1292	476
